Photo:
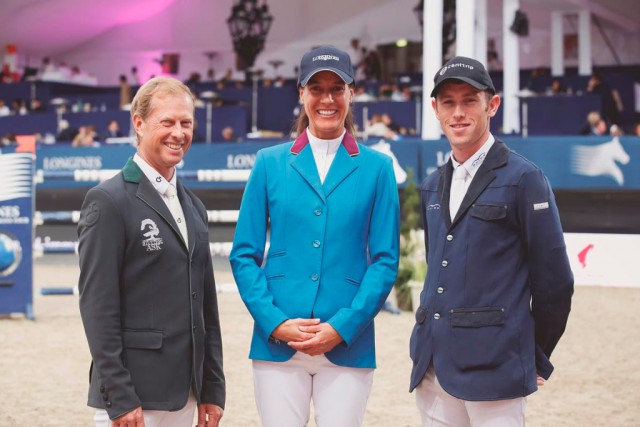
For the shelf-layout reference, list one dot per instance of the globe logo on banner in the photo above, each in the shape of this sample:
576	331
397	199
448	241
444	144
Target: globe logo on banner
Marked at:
10	254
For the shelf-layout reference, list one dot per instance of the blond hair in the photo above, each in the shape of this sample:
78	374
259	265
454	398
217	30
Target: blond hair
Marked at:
162	85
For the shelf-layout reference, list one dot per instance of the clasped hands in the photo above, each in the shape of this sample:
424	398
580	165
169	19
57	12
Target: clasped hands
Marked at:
309	336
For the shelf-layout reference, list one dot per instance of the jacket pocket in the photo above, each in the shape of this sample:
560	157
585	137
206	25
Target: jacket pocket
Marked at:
480	341
351	281
143	339
275	265
488	212
477	317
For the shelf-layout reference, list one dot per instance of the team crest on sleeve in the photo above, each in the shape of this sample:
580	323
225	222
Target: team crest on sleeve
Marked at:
152	241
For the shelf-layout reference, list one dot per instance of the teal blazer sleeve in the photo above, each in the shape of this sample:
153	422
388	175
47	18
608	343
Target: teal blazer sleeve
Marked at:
248	251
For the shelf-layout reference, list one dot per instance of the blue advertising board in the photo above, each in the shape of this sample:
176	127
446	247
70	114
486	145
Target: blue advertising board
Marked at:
569	162
16	233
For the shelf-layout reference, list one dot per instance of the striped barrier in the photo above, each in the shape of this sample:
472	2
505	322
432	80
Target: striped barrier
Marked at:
99	175
72	217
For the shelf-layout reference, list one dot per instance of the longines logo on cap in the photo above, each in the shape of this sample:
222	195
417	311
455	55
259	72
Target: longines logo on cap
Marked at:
326	58
457	64
152	242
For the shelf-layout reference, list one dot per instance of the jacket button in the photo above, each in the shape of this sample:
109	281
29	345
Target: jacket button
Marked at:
105	396
445	263
102	389
314	277
194	295
194	327
316	243
436	316
449	237
108	404
440	289
317	212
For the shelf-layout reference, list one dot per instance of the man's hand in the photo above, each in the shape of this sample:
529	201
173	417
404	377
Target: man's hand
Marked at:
130	419
540	380
209	415
292	330
325	339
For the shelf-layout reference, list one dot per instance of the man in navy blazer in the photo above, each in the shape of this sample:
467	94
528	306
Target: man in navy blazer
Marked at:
147	293
498	290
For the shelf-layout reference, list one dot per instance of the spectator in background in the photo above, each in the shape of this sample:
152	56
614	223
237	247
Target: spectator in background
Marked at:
194	79
8	140
86	137
636	129
19	107
228	135
113	130
616	130
4	109
388	121
37	106
611	105
66	132
595	125
125	92
135	80
378	128
556	88
361	95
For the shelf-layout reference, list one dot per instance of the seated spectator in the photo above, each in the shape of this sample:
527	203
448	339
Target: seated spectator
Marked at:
4	109
595	125
37	106
86	137
279	82
8	140
377	127
400	93
636	129
228	135
616	130
66	132
388	121
113	130
556	88
19	107
361	95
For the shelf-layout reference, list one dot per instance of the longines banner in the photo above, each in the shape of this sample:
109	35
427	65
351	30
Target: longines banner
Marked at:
16	233
568	162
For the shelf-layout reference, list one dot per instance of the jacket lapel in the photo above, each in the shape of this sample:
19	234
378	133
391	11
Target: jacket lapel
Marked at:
343	165
149	195
305	165
444	189
496	157
187	210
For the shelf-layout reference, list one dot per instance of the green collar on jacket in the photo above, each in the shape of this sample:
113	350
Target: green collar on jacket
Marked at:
131	171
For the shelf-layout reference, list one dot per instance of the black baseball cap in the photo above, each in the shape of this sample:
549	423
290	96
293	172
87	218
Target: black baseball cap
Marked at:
325	58
466	70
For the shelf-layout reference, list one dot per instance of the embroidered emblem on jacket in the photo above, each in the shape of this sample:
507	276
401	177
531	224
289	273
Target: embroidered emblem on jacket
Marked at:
152	242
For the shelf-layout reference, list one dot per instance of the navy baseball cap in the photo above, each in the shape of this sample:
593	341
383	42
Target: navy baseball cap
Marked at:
466	70
325	58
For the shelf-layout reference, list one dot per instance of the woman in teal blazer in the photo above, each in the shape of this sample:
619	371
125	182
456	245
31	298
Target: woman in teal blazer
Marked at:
332	212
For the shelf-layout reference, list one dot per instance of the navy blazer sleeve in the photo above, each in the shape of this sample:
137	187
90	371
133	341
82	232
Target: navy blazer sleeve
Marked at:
550	276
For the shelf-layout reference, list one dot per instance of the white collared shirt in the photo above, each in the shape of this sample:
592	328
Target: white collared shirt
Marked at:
473	163
324	151
157	180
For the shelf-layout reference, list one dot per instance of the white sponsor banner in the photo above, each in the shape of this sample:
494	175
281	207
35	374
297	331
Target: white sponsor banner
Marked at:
604	259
